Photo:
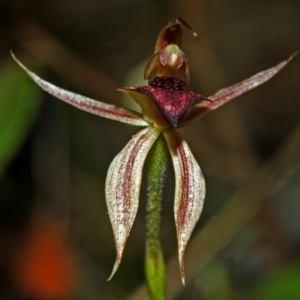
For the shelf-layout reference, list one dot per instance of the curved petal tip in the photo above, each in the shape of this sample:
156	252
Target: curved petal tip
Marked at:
181	265
116	265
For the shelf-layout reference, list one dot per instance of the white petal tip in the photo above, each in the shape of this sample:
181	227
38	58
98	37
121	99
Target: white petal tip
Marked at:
21	65
293	55
182	275
116	266
181	267
17	61
183	280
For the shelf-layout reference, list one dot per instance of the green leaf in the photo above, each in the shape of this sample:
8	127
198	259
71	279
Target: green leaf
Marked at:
19	106
282	284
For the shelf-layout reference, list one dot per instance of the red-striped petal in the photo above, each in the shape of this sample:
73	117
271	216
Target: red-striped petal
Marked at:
123	185
229	93
189	191
95	107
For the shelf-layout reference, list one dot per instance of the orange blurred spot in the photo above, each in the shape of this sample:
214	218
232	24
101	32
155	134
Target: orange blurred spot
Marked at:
43	267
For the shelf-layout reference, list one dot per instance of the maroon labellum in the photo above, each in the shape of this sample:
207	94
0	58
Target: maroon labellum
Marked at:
173	103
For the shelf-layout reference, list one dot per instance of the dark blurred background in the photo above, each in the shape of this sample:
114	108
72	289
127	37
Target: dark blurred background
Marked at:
56	242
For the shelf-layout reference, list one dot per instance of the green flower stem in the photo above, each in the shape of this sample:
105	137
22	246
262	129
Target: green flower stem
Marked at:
154	261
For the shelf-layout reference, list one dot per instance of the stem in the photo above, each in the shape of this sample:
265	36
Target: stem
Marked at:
154	261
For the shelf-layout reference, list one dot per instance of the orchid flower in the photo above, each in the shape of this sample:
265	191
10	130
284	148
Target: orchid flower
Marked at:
165	105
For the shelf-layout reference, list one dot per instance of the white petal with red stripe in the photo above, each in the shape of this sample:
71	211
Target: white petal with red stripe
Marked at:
226	94
189	191
123	185
92	106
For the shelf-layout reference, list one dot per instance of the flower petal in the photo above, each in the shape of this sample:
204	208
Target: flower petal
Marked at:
87	104
151	112
229	93
123	184
189	191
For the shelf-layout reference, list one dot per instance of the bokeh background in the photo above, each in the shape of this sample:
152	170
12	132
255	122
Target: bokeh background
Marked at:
56	242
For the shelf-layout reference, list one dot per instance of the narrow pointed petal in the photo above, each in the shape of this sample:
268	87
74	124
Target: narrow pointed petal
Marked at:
189	192
101	109
122	187
229	93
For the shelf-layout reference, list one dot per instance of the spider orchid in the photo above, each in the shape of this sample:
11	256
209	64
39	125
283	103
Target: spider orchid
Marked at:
165	105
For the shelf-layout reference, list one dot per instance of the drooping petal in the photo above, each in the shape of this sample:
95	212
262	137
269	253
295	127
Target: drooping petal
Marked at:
122	187
95	107
229	93
189	191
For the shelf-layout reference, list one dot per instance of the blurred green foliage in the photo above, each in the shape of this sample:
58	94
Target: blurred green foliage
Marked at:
19	107
282	284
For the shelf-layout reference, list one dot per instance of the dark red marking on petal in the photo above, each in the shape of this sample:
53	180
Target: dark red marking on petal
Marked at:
182	212
126	180
95	108
90	107
172	103
226	94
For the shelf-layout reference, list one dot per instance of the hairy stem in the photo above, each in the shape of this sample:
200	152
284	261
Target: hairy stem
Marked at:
154	261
